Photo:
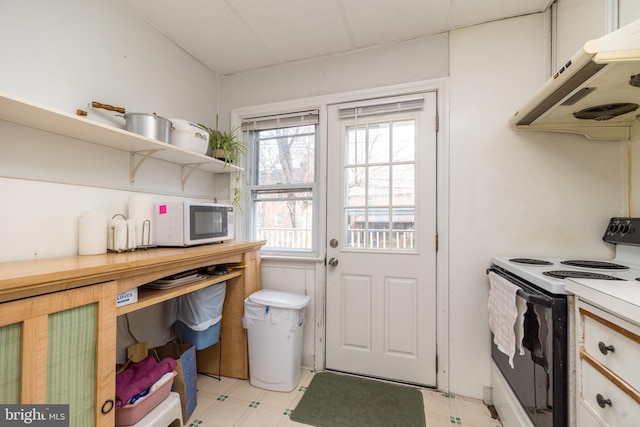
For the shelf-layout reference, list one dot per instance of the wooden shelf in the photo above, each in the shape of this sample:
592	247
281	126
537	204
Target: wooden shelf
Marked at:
149	297
36	116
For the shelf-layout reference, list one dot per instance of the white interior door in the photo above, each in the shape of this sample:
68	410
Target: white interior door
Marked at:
381	225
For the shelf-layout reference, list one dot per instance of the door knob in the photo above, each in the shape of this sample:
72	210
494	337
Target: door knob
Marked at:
333	262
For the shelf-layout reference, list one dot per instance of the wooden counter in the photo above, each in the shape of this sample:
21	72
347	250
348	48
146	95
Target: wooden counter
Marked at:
22	279
33	291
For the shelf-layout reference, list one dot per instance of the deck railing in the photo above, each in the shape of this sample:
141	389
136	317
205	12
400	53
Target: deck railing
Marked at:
302	238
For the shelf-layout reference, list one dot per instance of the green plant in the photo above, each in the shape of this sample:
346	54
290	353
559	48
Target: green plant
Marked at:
236	191
225	146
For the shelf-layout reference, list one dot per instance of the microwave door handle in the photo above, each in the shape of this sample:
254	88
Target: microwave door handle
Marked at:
525	291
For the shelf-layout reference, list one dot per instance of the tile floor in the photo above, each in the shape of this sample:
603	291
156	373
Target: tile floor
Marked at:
232	402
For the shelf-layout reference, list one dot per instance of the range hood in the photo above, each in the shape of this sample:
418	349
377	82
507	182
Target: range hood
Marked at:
596	93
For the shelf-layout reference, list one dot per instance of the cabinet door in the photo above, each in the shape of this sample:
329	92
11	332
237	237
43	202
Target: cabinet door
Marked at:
59	348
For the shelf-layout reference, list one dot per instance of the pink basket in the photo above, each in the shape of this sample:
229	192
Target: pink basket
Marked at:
130	414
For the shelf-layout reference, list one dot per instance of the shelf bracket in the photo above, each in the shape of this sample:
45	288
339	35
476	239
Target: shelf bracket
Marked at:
133	167
187	170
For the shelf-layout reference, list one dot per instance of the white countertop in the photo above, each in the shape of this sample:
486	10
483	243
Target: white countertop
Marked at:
617	297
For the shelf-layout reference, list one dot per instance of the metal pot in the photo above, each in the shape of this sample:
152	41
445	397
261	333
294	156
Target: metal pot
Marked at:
149	125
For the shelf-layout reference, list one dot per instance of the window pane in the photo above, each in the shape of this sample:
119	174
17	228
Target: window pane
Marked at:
404	136
354	229
379	185
355	181
286	155
403	185
355	146
284	219
403	232
379	143
378	228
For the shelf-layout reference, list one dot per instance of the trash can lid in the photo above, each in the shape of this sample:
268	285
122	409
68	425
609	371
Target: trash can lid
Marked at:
279	299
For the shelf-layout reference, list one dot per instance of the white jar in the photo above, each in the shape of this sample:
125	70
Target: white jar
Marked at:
92	233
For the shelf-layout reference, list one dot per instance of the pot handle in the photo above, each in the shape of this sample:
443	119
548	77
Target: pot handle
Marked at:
95	104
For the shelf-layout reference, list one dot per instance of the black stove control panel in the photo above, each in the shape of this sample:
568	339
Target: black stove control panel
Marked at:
625	231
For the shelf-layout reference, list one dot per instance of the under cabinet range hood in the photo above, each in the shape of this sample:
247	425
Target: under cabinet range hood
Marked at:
596	93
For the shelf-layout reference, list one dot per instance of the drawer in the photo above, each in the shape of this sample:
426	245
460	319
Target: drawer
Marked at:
626	347
585	418
622	411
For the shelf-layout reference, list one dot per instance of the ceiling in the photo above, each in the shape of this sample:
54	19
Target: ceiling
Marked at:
229	36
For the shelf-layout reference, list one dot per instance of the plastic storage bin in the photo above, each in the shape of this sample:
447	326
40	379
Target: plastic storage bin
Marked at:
274	322
132	413
196	316
199	339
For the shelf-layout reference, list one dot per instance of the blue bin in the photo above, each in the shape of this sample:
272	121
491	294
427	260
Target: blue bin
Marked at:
200	339
196	316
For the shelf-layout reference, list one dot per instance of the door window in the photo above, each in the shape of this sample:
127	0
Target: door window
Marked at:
380	183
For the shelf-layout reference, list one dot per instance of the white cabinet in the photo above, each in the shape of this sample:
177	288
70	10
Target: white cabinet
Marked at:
608	378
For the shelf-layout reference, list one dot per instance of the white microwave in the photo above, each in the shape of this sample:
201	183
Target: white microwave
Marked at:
192	223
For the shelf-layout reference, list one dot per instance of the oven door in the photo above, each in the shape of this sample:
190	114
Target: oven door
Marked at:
539	376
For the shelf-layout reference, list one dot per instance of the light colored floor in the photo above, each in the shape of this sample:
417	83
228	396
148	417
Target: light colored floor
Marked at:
232	402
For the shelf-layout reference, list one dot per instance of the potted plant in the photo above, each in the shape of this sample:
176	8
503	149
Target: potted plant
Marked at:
225	146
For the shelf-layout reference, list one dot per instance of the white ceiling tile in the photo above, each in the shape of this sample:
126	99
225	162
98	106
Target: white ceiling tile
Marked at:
293	30
228	36
471	12
383	21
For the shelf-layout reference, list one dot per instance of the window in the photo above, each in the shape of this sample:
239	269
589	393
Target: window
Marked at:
283	182
379	169
380	185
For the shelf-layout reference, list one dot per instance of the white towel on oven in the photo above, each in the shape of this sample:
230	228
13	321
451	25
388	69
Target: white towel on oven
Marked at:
521	305
506	315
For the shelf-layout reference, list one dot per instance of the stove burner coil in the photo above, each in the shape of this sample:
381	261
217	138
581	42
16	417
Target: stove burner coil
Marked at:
530	261
594	264
563	274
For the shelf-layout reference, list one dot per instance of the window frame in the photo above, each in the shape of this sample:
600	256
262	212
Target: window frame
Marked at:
252	189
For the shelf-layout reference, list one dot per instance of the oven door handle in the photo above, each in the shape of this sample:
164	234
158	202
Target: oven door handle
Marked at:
525	290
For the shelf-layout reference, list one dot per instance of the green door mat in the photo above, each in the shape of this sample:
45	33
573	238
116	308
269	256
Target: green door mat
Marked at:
333	400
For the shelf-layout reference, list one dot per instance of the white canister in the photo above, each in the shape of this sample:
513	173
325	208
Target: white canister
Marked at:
92	233
190	136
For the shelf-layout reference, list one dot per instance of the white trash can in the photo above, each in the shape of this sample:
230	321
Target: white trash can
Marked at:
274	321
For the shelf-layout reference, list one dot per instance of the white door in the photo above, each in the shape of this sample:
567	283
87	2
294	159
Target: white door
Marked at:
381	241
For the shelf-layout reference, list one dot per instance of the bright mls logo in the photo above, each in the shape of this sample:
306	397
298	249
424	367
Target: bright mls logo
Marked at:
34	415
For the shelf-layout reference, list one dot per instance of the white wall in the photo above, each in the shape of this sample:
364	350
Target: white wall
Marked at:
514	193
398	64
416	60
63	55
525	194
578	21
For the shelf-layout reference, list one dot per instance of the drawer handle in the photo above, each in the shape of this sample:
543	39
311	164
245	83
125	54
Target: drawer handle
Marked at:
604	349
602	402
